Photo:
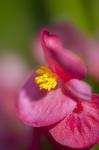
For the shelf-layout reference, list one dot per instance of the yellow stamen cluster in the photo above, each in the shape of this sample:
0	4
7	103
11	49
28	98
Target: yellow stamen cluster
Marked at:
47	80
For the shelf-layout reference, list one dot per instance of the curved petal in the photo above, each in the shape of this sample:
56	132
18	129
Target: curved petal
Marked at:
78	89
71	36
58	146
81	128
63	62
37	107
73	39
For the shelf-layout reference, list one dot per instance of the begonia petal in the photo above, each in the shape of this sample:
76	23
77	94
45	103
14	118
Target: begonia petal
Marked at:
71	36
78	89
80	129
63	62
37	107
86	47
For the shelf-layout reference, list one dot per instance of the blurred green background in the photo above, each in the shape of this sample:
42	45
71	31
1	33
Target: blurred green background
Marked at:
20	20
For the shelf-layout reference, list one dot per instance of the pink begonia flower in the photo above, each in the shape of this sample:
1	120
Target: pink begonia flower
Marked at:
55	96
74	40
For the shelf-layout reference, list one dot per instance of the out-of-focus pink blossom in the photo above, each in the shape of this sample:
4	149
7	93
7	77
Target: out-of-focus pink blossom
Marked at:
12	72
55	96
73	39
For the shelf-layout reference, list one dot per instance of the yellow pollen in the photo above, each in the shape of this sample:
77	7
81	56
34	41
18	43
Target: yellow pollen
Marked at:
46	79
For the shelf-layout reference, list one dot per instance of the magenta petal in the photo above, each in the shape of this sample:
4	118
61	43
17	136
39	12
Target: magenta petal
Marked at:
80	129
50	41
78	89
63	62
36	107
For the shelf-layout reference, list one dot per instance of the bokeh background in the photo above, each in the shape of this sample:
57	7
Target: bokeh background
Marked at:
20	23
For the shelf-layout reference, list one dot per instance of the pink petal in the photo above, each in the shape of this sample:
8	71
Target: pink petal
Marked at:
71	37
78	89
50	41
81	128
37	107
64	63
79	43
56	145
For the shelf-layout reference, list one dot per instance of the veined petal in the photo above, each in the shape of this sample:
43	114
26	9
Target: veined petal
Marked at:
37	107
63	62
58	146
81	128
78	89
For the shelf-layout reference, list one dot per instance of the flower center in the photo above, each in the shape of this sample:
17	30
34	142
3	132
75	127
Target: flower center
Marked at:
46	79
